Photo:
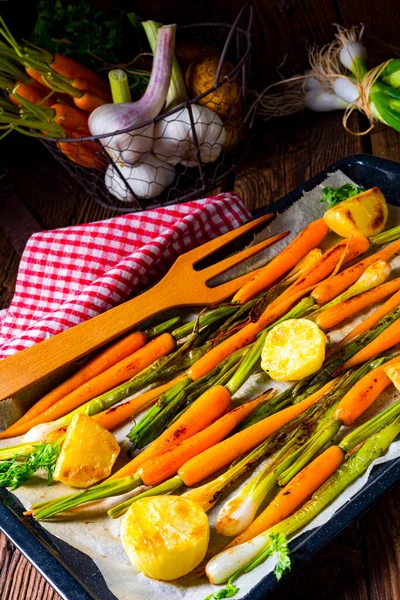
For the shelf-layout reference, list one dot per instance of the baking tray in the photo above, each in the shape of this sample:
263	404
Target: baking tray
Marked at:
74	575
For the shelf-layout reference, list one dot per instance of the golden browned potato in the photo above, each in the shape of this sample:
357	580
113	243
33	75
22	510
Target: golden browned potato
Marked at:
226	100
87	455
191	50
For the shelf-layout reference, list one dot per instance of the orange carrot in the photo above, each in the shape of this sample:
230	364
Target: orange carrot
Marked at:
345	250
87	154
103	361
32	93
116	415
334	315
362	395
71	69
294	494
89	101
203	411
89	86
223	453
307	239
385	340
372	320
160	468
71	119
118	373
213	357
331	288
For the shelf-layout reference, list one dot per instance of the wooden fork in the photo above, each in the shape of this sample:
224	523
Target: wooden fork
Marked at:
181	286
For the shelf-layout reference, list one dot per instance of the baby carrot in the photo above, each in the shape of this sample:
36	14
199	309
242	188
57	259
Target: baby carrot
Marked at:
71	119
72	69
327	290
86	154
89	101
362	395
106	359
103	90
344	251
158	469
119	372
307	239
31	93
203	411
385	340
223	453
329	318
373	319
116	415
294	494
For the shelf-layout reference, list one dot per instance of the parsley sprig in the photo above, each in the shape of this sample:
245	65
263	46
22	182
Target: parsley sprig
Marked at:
20	468
333	196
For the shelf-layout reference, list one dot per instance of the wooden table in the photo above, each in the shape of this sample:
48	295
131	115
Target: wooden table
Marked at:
363	562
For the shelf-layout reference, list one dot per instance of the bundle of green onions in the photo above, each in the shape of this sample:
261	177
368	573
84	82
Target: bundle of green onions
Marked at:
338	79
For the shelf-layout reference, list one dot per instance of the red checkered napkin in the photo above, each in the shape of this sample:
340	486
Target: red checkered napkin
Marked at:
69	275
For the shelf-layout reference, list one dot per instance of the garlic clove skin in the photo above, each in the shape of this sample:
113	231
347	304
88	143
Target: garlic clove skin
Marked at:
174	140
146	179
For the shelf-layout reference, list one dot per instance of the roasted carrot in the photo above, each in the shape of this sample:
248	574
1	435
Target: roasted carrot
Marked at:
343	251
331	288
119	372
223	453
385	340
294	494
158	469
329	318
307	239
116	415
362	395
213	357
208	407
103	361
372	320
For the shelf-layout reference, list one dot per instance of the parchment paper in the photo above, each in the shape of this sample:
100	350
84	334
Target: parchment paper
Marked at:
98	536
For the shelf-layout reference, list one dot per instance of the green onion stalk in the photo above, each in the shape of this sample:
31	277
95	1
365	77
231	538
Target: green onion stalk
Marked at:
238	376
230	564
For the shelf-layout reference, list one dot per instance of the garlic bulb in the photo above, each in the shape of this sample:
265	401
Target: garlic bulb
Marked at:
173	136
146	179
131	146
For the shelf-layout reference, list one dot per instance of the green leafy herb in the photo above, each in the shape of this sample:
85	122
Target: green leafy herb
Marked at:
14	472
227	592
279	546
333	196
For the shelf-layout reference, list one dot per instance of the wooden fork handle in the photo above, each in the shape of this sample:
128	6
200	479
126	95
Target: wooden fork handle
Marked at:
34	364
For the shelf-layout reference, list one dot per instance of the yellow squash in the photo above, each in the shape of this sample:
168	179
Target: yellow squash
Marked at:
87	455
293	349
364	213
165	537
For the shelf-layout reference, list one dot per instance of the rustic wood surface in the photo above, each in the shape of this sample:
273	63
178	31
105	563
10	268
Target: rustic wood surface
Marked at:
364	561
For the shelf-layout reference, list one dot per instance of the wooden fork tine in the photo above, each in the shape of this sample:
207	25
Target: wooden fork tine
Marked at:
239	257
208	248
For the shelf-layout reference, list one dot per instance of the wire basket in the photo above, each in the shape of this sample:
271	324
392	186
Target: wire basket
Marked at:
212	136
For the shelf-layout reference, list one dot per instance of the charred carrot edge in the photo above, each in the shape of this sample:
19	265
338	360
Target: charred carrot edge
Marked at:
106	359
119	372
384	341
294	494
223	453
336	285
331	317
203	411
372	320
158	469
362	395
307	240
